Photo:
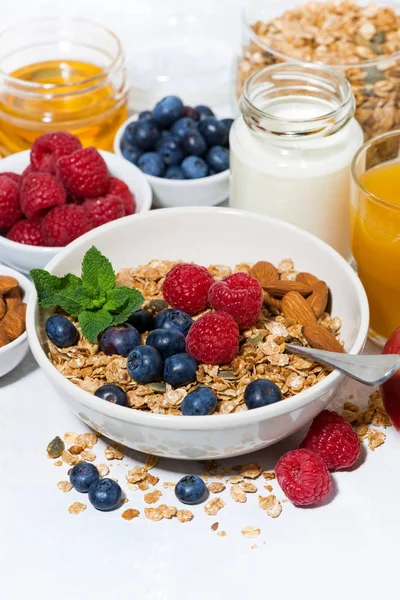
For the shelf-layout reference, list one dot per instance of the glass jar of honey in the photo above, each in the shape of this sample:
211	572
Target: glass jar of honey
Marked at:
60	74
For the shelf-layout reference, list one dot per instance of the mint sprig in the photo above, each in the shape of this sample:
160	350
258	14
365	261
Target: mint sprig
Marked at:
93	298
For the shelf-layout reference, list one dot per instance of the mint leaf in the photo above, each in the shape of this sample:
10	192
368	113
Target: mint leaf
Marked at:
51	289
92	323
97	270
89	298
133	303
117	297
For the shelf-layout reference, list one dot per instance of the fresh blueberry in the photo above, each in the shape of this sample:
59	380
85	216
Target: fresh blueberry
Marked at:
167	341
173	318
130	152
106	494
112	393
202	401
119	339
191	112
83	475
168	110
204	111
183	126
143	134
145	115
211	171
191	489
61	331
167	137
151	163
180	369
171	152
174	173
213	131
194	143
142	320
194	167
228	123
144	364
218	159
261	393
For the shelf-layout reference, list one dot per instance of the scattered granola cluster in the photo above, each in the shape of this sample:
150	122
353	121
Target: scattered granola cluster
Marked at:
261	354
338	33
374	415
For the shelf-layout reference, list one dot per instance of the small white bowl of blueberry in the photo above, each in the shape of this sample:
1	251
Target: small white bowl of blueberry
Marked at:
183	151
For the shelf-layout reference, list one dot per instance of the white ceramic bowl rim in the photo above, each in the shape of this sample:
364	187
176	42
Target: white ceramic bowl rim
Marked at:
27	285
208	422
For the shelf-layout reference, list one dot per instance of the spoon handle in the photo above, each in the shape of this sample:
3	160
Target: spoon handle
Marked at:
371	369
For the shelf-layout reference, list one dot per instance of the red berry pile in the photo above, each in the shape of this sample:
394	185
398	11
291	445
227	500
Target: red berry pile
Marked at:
64	192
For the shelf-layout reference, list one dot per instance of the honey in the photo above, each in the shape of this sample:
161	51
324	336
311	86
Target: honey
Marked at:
79	97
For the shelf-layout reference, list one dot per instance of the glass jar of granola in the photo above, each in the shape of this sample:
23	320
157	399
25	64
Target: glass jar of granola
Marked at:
292	147
360	40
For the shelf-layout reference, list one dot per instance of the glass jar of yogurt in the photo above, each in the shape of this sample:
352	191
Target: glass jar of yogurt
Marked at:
292	147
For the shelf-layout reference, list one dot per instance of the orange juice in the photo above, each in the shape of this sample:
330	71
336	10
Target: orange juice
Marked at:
376	244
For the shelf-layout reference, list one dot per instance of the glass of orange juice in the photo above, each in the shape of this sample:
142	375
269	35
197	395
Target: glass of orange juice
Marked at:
375	229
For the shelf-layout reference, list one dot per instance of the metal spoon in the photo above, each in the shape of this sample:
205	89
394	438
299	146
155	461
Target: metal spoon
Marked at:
372	369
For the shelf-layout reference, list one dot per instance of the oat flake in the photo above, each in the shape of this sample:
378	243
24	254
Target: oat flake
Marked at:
250	531
64	486
76	508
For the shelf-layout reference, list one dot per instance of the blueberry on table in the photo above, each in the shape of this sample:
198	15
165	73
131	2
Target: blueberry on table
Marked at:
174	173
180	369
183	126
83	475
201	401
171	152
194	143
112	393
167	341
119	339
167	111
191	112
151	163
61	331
261	392
191	489
143	134
173	318
218	159
106	494
145	115
144	364
130	152
194	167
204	111
142	320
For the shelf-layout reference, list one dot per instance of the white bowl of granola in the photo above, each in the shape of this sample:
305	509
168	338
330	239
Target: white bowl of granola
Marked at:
208	236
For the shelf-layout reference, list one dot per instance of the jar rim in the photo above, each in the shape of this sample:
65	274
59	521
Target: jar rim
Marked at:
33	85
364	148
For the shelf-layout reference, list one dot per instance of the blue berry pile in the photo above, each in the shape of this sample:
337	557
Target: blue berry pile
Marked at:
174	141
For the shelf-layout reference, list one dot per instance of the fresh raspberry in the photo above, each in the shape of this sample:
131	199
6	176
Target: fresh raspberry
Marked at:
48	148
29	169
84	173
214	338
39	192
186	287
26	232
333	439
103	210
303	477
240	295
14	176
117	187
64	224
10	208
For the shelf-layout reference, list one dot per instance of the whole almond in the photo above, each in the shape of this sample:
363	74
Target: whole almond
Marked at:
294	306
4	339
318	298
307	278
271	301
3	307
12	324
21	310
13	298
264	272
321	339
283	286
7	284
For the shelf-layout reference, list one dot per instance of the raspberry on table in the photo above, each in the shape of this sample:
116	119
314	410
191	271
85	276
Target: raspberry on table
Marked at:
104	209
303	477
213	338
84	173
117	187
39	192
186	287
26	232
333	439
64	224
48	148
240	295
10	208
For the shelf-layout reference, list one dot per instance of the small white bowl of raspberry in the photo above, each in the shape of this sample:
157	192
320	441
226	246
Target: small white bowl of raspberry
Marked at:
58	191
